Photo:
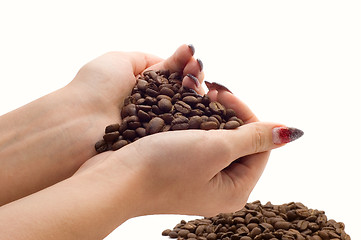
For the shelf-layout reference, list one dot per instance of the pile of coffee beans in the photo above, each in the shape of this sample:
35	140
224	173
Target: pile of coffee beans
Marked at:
160	103
291	221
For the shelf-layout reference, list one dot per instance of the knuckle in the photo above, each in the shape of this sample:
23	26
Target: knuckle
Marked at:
258	139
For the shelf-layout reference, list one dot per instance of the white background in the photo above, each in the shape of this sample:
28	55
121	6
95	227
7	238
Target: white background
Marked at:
293	62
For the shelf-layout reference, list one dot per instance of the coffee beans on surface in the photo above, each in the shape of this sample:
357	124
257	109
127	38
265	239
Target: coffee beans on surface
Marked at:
159	103
291	221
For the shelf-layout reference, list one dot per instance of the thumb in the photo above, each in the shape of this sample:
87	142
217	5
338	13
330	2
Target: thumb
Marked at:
260	137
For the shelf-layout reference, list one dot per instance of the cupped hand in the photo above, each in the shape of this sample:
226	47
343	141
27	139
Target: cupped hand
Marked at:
194	171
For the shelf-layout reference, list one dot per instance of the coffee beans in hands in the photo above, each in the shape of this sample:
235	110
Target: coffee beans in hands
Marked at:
160	103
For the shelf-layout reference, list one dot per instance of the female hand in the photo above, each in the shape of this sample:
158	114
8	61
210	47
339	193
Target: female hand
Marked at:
194	171
48	140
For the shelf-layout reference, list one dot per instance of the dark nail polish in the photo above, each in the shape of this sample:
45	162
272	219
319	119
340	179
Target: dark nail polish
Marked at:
191	47
196	81
200	64
216	86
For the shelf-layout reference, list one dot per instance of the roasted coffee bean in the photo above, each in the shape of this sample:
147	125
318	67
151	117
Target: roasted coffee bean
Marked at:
123	126
217	108
270	225
156	110
191	100
112	128
180	119
101	146
143	116
195	122
136	97
180	126
119	144
129	134
141	132
166	232
208	125
167	117
166	91
110	137
129	100
160	95
142	84
151	92
232	125
230	113
155	125
173	234
182	107
165	105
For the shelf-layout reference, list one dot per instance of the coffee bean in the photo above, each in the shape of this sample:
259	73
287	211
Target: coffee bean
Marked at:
165	105
209	125
282	225
182	107
230	113
101	146
195	122
173	234
166	91
156	110
110	137
166	232
142	84
129	134
232	225
155	125
160	95
112	128
217	108
180	126
143	116
150	100
141	132
231	125
191	100
183	233
123	126
119	144
167	117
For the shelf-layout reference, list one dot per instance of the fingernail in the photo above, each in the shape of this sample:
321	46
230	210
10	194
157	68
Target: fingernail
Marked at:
191	47
195	80
216	86
200	64
285	134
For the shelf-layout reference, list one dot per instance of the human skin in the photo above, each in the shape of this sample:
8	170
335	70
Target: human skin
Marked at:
153	175
46	141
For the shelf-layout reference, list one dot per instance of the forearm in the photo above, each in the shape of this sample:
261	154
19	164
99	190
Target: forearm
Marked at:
86	206
37	141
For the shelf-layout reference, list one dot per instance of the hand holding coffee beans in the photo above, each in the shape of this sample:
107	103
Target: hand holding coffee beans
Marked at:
160	103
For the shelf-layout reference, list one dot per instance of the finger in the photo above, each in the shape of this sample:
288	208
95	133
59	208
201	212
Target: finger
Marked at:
177	61
142	61
248	170
231	101
254	138
193	75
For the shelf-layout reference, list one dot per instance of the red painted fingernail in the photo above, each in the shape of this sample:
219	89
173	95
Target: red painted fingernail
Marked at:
285	134
191	47
195	80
